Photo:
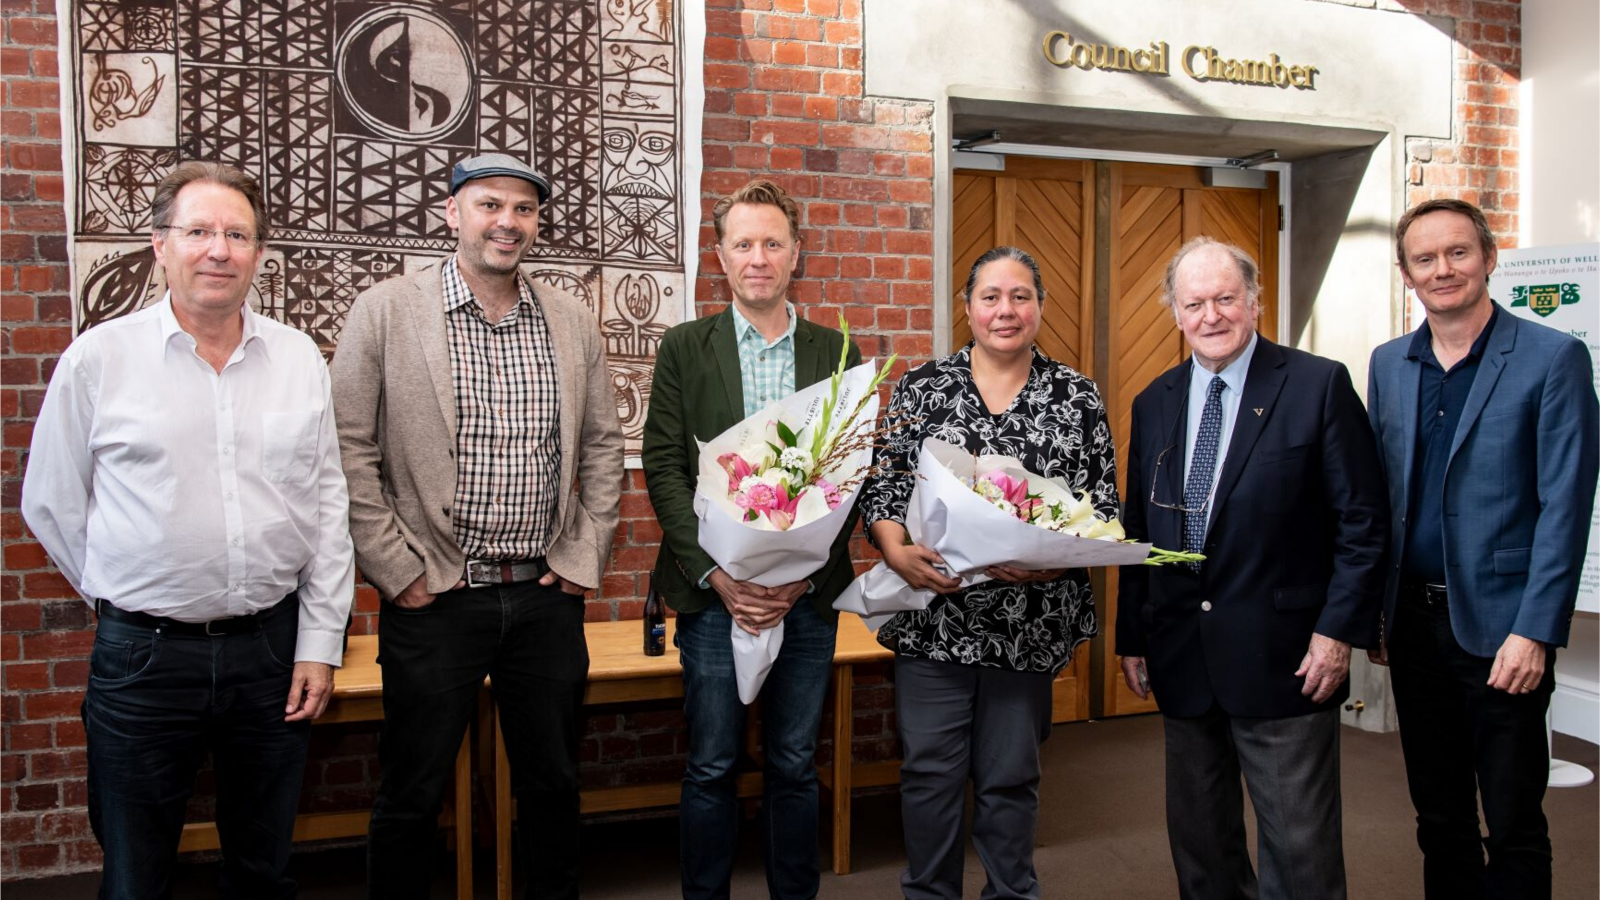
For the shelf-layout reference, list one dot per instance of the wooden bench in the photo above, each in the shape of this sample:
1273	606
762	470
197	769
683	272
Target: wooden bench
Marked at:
619	672
358	697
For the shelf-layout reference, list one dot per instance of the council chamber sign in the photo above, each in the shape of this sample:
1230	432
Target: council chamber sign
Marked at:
1559	287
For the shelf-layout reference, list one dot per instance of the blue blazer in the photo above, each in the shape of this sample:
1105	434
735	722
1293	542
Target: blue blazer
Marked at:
1519	487
1299	523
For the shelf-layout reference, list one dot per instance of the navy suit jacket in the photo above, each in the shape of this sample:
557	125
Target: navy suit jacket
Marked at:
1296	545
1519	487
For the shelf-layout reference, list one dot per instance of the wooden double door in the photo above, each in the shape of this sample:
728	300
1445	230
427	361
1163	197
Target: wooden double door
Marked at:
1102	233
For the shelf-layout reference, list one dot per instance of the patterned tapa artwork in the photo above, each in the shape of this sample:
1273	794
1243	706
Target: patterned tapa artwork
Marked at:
352	112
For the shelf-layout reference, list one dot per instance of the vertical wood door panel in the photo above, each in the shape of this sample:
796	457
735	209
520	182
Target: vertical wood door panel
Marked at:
1155	210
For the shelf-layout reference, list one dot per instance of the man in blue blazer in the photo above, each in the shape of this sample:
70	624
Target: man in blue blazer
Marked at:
1261	457
1487	425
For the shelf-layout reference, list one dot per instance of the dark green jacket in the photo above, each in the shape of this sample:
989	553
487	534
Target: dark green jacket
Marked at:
697	394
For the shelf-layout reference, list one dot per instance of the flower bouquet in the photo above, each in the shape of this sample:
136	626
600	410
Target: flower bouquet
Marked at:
775	490
982	511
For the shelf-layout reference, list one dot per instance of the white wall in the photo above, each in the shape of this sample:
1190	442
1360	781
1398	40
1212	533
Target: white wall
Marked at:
1559	171
1559	122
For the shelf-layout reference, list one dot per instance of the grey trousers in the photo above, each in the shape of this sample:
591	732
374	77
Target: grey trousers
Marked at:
956	722
1291	767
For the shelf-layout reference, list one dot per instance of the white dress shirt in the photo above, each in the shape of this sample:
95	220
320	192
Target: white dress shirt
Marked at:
1232	393
164	487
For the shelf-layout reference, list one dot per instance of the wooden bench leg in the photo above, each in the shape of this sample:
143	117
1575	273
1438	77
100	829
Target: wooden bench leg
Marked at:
843	730
463	817
502	814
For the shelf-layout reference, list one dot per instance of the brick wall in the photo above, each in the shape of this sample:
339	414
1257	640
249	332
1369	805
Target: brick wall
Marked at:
783	98
1479	161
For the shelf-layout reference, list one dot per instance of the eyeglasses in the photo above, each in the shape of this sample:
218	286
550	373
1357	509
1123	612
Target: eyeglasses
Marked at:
195	236
1155	482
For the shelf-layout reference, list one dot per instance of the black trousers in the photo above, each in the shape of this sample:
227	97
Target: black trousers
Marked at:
157	702
1461	737
529	639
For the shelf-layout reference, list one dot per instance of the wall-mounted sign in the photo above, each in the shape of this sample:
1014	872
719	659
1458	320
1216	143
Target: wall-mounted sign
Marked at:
1202	63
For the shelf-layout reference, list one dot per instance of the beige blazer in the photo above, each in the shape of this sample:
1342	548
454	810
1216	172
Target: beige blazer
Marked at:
394	401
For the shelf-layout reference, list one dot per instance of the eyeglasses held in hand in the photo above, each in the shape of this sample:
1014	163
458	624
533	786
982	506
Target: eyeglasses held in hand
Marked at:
195	236
1155	482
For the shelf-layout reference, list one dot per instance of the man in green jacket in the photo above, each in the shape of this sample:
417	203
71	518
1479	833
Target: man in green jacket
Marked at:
711	374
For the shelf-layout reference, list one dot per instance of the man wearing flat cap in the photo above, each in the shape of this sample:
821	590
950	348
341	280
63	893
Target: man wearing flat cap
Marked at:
480	439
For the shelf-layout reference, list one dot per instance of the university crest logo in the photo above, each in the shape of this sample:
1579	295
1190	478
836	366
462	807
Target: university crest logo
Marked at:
1544	298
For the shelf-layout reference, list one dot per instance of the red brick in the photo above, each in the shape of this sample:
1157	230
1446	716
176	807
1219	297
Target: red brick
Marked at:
25	555
47	586
789	106
30	676
841	32
19	829
15	61
35	797
727	76
69	733
70	673
789	53
822	56
31	32
57	645
58	765
779	132
28	93
18	617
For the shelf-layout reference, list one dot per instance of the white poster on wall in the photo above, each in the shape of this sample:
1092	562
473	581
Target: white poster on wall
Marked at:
1559	287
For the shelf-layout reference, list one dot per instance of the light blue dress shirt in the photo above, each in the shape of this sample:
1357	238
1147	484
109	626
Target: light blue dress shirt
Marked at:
766	368
1199	384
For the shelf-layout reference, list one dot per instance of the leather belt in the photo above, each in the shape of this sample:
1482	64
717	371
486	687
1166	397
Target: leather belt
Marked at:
1431	596
213	628
490	572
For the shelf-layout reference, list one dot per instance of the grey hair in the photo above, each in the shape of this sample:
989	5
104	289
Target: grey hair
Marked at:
187	173
1015	254
1249	272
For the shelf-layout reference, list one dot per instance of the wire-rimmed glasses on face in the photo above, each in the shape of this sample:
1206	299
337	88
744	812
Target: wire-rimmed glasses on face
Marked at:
195	236
1155	482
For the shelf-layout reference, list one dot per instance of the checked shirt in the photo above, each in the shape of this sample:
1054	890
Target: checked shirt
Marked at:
508	414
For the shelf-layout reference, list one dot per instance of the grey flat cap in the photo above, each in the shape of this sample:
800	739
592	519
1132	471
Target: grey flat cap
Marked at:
490	165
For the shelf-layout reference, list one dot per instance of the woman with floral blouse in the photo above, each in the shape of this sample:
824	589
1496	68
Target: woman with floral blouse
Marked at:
973	671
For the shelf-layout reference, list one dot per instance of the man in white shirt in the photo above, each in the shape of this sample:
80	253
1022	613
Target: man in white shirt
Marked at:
184	476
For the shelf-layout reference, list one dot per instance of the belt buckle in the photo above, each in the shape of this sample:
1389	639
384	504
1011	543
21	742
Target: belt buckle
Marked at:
210	633
476	568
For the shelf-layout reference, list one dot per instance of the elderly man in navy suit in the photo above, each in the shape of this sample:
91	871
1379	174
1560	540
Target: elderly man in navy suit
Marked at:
1487	425
1259	456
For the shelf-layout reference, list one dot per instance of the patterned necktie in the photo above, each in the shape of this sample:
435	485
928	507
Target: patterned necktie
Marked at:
1202	462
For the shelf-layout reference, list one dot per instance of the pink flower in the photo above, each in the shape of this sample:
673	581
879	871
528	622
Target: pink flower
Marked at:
1029	509
737	469
782	512
760	497
1013	490
830	492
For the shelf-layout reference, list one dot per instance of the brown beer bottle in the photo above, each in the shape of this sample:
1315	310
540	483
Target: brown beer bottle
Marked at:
655	621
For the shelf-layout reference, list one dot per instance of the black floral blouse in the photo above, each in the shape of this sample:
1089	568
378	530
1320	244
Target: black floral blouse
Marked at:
1057	426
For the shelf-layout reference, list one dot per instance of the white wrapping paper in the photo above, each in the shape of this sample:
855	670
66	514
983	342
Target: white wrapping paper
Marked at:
946	515
755	551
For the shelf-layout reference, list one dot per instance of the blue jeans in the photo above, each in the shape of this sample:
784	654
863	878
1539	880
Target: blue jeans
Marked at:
791	713
156	703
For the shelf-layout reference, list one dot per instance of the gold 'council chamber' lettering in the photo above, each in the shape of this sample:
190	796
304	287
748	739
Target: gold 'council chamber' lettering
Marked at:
1199	62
